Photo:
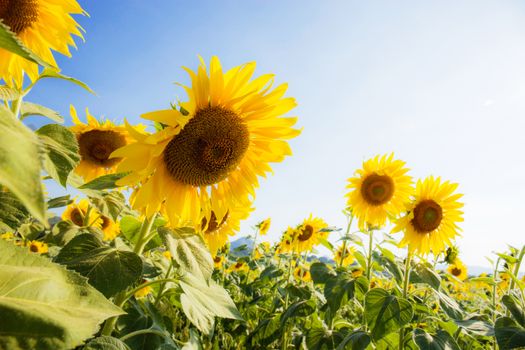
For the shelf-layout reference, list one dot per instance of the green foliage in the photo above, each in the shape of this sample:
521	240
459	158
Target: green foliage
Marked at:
20	163
28	109
106	343
441	341
60	151
43	305
386	313
104	182
188	250
53	73
509	334
12	211
108	269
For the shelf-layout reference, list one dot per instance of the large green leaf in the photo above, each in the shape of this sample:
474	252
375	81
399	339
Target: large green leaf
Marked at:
512	305
194	342
423	273
44	306
12	211
320	272
341	288
202	301
188	250
509	334
28	108
20	163
441	341
301	308
357	340
61	151
10	42
108	269
386	313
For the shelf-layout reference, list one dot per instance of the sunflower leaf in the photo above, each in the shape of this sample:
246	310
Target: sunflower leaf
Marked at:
188	250
108	269
61	151
12	211
10	42
53	73
29	108
104	182
47	307
20	164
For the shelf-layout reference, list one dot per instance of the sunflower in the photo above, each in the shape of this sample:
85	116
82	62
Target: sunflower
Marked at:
286	243
348	258
42	26
8	236
96	141
433	214
264	226
379	190
458	270
216	231
309	234
214	148
110	228
239	266
143	292
76	213
37	247
218	261
302	273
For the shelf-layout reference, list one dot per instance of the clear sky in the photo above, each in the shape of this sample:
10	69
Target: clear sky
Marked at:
440	83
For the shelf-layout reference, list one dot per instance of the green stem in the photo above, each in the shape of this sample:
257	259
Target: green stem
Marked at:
16	106
284	344
254	243
161	288
144	236
142	331
494	297
517	268
343	253
406	279
370	247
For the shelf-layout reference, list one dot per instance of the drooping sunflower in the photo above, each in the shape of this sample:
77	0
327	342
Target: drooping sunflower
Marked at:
96	141
379	190
286	243
309	233
77	212
348	258
433	215
264	226
458	270
42	26
214	148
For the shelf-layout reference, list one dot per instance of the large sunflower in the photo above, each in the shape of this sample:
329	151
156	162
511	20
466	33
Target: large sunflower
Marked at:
96	141
309	233
42	25
433	215
379	190
214	149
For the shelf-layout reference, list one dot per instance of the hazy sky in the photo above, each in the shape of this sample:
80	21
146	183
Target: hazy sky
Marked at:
440	83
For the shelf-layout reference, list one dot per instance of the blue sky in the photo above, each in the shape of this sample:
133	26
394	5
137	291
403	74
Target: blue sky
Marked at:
440	83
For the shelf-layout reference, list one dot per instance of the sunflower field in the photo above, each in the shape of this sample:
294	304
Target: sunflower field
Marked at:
138	255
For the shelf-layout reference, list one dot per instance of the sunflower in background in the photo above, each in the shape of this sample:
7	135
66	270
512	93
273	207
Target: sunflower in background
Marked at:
218	261
433	215
302	273
96	141
286	243
77	212
458	270
42	26
214	149
264	226
239	266
379	190
309	233
110	228
37	247
348	258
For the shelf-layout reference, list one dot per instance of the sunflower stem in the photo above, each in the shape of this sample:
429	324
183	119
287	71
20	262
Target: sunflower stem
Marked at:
254	243
284	344
343	253
16	106
144	236
406	279
494	297
370	247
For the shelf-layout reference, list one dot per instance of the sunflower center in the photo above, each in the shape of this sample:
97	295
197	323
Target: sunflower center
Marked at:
18	14
306	233
97	145
33	248
217	259
214	224
209	147
77	218
427	216
377	189
456	272
105	222
239	265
